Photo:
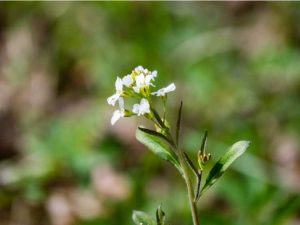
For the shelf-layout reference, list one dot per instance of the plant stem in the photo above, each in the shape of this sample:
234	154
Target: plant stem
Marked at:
187	179
186	176
190	189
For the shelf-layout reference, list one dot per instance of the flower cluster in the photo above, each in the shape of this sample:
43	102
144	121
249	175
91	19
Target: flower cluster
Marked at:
136	85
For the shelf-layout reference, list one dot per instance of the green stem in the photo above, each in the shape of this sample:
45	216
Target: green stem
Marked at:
185	171
188	182
164	109
190	189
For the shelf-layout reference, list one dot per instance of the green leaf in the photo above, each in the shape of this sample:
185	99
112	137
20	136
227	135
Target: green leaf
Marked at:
235	151
203	145
140	217
178	124
158	147
198	187
190	163
197	173
158	119
154	133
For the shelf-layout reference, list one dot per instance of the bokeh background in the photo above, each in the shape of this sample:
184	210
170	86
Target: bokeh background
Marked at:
237	69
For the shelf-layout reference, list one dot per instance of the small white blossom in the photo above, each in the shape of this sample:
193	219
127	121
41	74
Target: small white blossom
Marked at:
119	90
127	80
119	84
112	99
154	74
165	90
142	81
119	113
139	69
142	108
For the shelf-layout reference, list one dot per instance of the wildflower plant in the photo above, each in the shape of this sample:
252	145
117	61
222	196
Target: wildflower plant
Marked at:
165	142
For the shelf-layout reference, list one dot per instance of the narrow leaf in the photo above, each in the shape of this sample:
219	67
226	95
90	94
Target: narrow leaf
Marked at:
235	151
158	119
157	134
190	163
178	124
140	217
203	145
158	147
198	187
197	173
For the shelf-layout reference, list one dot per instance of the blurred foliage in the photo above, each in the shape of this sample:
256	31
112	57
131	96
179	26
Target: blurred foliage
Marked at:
236	67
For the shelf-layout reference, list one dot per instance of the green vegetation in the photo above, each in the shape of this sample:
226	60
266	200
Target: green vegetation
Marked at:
235	66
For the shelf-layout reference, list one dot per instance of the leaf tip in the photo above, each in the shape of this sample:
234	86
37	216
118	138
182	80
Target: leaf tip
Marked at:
242	144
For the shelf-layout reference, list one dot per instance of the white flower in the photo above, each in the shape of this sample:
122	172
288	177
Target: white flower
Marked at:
142	108
139	69
142	81
112	99
154	74
119	113
165	90
127	80
116	116
119	84
119	89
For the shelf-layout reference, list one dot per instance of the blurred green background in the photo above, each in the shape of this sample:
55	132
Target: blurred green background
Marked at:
237	69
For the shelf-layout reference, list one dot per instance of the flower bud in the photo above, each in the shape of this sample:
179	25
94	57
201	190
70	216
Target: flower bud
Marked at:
203	159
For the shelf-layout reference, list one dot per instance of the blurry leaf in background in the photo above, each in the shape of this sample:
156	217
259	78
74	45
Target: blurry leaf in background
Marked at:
142	218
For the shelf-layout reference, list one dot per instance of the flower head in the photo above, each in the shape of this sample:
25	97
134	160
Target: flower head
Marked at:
136	85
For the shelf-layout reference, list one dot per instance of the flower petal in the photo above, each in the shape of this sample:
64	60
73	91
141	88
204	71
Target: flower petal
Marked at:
127	80
140	80
144	106
163	91
121	103
136	108
160	92
116	116
148	79
170	87
154	73
112	99
139	69
119	84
